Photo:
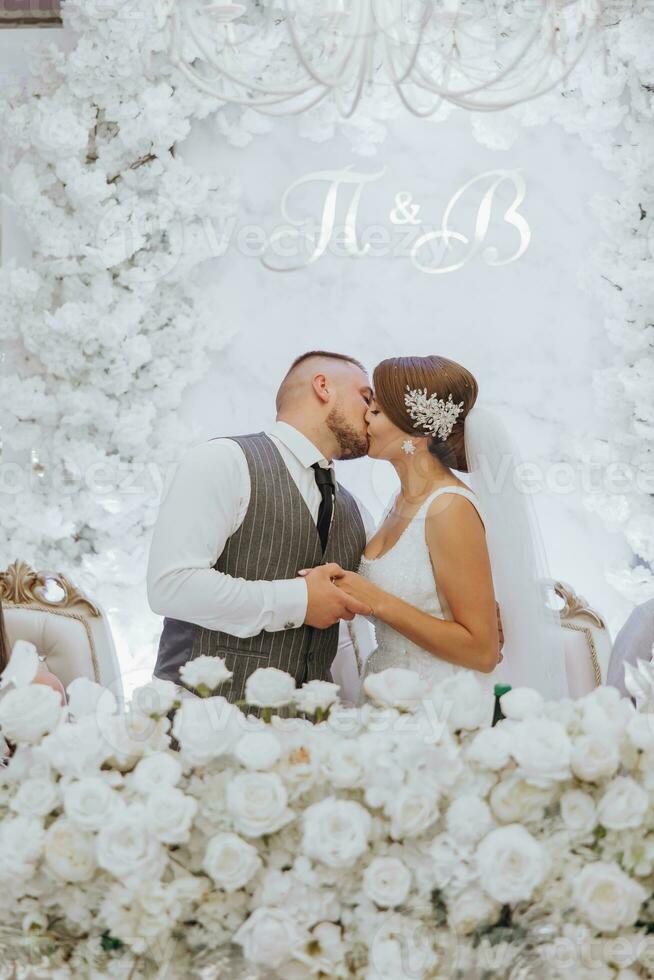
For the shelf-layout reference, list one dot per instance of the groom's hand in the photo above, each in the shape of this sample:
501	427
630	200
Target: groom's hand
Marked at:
327	603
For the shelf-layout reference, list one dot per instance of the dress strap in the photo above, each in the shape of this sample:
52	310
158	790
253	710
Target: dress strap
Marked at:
463	491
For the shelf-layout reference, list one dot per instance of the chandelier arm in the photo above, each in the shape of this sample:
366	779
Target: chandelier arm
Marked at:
308	67
455	97
364	72
221	71
503	73
414	55
293	112
247	103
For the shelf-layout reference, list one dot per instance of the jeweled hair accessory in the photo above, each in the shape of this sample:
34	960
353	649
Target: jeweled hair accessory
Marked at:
434	414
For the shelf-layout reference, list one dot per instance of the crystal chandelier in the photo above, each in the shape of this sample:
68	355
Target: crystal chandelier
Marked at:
282	57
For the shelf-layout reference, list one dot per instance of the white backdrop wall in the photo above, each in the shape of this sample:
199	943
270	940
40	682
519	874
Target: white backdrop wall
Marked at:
527	330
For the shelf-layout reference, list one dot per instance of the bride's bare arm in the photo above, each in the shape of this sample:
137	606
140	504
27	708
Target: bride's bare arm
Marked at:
457	545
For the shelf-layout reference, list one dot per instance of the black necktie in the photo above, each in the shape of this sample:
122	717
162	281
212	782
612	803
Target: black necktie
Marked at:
326	485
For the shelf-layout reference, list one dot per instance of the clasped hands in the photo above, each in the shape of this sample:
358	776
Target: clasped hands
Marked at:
336	594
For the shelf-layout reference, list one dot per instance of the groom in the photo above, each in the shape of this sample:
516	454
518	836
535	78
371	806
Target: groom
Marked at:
243	514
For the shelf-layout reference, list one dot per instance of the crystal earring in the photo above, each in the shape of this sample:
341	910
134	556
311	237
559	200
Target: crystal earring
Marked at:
409	447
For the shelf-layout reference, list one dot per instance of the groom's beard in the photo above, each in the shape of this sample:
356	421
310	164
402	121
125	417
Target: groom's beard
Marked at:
351	443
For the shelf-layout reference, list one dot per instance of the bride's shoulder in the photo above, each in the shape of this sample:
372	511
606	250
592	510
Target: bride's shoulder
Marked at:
457	503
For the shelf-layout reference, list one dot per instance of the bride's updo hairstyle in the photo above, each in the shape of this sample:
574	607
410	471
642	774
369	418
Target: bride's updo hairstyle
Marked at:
438	375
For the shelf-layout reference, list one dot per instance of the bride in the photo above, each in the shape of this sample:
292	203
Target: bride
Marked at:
444	553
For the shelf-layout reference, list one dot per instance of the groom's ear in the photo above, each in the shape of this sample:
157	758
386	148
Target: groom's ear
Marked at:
322	387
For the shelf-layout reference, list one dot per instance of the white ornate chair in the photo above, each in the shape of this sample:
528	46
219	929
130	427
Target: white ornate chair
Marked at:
587	641
71	633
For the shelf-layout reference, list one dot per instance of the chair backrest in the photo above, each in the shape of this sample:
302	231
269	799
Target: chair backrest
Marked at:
71	632
587	642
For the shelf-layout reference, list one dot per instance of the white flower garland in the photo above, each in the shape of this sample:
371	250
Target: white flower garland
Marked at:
106	329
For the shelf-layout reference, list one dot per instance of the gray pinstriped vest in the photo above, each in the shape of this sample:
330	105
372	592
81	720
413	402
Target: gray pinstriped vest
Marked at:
277	538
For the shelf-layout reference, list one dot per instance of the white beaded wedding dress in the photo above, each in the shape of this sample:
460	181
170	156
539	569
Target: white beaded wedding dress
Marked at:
405	570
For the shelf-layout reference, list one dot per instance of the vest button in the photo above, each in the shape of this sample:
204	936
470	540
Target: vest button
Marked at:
289	626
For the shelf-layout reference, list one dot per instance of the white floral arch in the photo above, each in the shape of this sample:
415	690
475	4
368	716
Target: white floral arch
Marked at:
106	329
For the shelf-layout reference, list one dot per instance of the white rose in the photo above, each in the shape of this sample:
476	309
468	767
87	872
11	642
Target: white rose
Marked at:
400	948
76	749
491	748
35	797
316	696
563	711
462	702
396	688
258	749
511	864
154	771
86	698
336	832
515	800
623	805
170	814
69	852
387	881
22	666
28	713
413	808
641	731
206	728
154	699
606	897
578	812
594	757
257	803
268	687
89	802
449	861
21	844
604	710
541	748
132	735
205	672
521	703
344	763
127	848
469	818
230	862
470	909
270	936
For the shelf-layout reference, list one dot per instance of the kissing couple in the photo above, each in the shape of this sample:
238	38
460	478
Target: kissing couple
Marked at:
260	557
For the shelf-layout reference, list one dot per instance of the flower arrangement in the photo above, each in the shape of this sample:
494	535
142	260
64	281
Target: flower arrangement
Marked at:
405	838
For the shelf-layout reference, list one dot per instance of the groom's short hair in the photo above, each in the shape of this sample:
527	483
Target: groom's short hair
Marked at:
325	355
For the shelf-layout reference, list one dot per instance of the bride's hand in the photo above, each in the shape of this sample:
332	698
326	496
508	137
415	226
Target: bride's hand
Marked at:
354	585
358	587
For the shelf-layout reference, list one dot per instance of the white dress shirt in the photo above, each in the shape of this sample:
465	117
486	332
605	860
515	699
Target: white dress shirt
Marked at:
203	503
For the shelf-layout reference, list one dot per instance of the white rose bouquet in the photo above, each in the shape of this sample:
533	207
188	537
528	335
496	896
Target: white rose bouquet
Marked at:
375	842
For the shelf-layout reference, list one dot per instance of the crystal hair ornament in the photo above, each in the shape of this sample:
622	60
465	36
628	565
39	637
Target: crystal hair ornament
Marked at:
434	414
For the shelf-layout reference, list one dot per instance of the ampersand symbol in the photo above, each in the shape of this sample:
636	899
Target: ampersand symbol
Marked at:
404	212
